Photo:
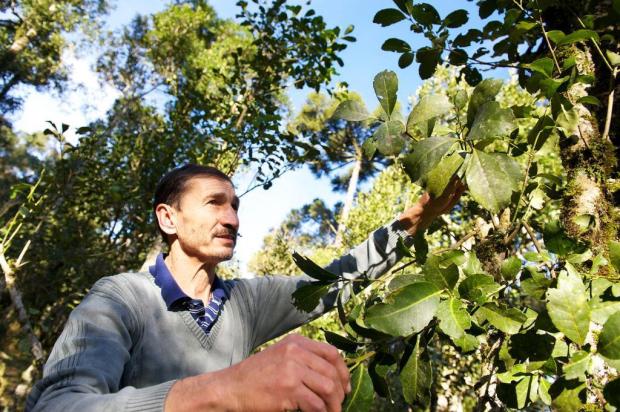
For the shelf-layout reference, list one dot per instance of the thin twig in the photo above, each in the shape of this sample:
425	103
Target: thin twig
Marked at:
532	235
610	105
542	26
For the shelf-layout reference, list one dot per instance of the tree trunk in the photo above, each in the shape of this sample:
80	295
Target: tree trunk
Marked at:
16	298
589	160
351	189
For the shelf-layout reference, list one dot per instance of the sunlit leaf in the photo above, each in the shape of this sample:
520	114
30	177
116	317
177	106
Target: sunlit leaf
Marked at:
416	376
492	121
426	155
405	311
507	320
484	92
491	179
386	87
351	110
389	137
429	107
362	393
609	339
568	307
453	318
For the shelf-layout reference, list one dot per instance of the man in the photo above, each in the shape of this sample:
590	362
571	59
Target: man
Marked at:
178	338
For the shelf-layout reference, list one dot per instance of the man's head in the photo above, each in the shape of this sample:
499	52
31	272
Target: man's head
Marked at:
196	210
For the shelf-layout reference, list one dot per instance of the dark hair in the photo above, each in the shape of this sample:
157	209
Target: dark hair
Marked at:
173	184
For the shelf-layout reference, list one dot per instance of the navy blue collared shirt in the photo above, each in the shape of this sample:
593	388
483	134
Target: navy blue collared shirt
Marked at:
176	299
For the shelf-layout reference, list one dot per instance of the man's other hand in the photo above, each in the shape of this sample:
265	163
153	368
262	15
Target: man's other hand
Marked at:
296	373
419	216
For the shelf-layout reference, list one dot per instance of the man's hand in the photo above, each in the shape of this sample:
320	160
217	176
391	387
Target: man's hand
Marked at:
295	373
419	216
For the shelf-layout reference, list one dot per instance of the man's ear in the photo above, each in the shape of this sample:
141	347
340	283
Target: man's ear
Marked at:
166	218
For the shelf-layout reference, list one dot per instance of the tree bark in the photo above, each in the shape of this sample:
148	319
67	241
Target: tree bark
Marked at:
589	161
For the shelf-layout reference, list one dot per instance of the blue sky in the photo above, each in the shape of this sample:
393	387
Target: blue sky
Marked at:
260	210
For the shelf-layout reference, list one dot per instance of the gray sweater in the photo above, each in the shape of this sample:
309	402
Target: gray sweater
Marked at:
121	349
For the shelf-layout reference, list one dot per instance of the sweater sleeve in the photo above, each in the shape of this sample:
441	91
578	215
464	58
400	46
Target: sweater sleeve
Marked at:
86	365
271	295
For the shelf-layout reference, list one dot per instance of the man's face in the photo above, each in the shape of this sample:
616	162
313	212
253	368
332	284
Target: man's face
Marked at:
206	219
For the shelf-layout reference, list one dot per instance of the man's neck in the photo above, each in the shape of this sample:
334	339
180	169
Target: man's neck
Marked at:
195	278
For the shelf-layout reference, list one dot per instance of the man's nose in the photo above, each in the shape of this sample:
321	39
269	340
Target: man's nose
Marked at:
230	219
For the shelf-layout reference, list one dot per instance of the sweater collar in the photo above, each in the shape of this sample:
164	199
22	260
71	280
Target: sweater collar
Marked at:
170	290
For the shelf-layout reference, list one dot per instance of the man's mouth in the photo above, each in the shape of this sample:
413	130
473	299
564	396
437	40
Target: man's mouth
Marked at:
227	235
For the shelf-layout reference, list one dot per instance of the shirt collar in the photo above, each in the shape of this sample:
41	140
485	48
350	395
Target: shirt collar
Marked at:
170	290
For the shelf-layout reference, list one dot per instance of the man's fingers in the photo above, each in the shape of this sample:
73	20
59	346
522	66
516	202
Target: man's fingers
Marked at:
328	390
332	356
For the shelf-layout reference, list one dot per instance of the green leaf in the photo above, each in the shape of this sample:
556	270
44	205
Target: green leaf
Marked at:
341	342
541	131
484	92
510	267
425	14
491	178
396	45
594	101
568	307
507	320
351	110
525	388
614	58
312	269
477	287
426	155
555	35
543	66
362	392
416	376
387	17
421	247
568	121
307	297
442	277
614	254
612	390
579	35
609	339
543	391
369	147
456	19
602	309
453	318
405	60
405	311
428	59
460	99
567	395
389	137
429	107
577	366
492	122
438	178
467	343
457	57
386	87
